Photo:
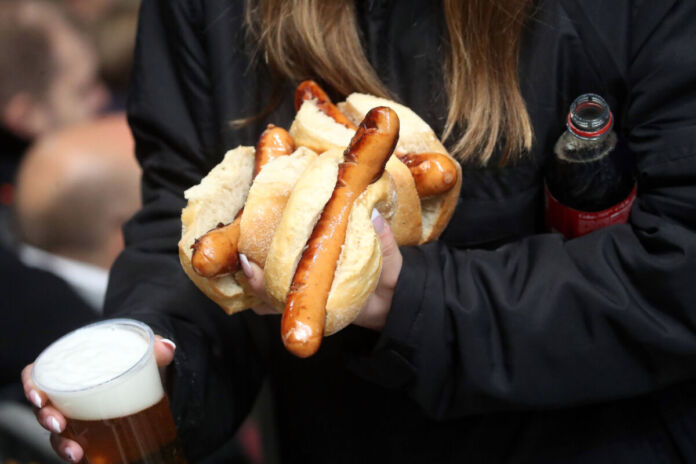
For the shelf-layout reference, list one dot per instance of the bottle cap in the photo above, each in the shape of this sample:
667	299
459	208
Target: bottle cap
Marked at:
589	117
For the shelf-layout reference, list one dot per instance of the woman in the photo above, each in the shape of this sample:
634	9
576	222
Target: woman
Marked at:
500	343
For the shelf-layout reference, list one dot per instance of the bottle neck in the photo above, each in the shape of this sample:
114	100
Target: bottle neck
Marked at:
589	117
592	134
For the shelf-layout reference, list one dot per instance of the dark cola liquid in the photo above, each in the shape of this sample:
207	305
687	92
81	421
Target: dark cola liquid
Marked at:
587	175
147	437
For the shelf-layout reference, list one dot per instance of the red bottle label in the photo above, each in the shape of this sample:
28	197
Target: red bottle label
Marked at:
574	223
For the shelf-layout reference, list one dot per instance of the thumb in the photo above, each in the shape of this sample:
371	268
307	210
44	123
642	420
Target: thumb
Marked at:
253	273
164	351
391	256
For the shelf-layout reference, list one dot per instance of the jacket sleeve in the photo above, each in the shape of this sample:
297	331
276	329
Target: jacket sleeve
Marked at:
171	113
544	322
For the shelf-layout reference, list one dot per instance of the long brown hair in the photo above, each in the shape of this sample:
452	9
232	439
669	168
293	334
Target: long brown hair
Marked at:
319	39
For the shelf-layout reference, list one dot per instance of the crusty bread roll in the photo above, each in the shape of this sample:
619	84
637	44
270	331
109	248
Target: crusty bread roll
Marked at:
322	133
220	195
406	222
415	136
266	202
360	263
415	221
218	198
314	129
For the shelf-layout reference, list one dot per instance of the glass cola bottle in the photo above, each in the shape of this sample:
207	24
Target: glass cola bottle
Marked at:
588	185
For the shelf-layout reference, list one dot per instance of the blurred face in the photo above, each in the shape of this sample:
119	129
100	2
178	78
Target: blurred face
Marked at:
76	93
88	11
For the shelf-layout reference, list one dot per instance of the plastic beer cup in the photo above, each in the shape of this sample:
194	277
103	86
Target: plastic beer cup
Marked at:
104	379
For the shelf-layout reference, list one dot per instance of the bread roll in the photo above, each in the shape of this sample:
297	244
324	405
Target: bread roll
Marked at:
220	195
415	221
415	136
406	222
360	263
317	131
266	202
218	198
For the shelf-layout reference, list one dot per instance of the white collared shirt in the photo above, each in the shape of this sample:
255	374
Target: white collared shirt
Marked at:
87	280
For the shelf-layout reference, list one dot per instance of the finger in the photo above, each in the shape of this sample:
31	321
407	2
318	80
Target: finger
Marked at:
67	449
391	256
51	419
386	237
374	314
164	351
33	394
253	273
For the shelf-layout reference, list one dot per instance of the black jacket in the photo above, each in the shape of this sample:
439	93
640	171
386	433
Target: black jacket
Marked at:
504	343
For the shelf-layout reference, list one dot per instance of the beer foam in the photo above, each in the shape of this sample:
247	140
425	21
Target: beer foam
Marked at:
101	371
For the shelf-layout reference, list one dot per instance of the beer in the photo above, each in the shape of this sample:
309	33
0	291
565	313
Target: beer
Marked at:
146	436
105	381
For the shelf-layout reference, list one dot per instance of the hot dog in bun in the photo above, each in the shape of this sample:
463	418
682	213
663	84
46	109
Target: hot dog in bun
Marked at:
299	205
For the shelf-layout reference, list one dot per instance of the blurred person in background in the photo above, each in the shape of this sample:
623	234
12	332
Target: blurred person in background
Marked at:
48	80
114	38
75	189
37	307
111	27
88	13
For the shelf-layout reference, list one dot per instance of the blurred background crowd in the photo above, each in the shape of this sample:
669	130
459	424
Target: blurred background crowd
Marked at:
68	182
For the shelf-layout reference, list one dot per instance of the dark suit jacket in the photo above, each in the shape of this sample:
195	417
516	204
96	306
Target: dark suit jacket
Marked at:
37	307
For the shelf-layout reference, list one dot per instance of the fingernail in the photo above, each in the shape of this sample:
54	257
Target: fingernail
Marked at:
169	343
35	398
54	425
69	454
378	223
245	265
375	213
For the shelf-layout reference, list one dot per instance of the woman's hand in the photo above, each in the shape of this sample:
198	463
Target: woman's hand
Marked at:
55	422
374	313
